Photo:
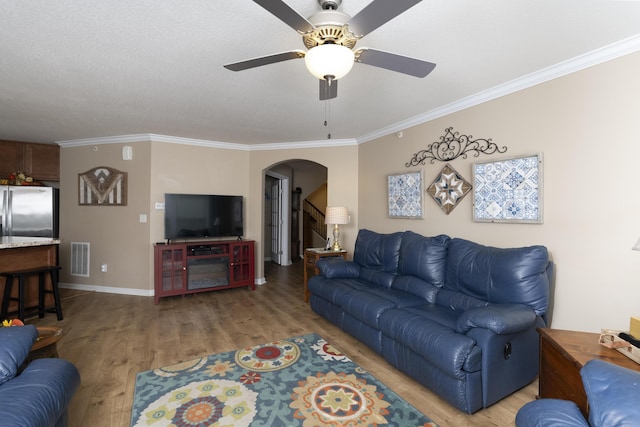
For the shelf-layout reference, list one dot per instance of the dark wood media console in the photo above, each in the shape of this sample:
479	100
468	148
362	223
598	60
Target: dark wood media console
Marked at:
187	268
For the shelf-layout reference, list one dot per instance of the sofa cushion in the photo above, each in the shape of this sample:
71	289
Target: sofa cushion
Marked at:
15	344
424	257
438	344
418	287
379	252
501	276
434	313
368	305
334	290
379	278
458	301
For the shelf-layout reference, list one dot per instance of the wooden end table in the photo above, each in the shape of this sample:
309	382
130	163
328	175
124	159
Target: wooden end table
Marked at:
311	257
45	345
563	354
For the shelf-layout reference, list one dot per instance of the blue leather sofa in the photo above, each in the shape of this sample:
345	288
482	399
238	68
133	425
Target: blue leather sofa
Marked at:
38	395
613	394
457	316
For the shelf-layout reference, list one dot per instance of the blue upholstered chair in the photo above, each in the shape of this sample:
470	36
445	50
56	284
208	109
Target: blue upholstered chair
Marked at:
35	395
613	394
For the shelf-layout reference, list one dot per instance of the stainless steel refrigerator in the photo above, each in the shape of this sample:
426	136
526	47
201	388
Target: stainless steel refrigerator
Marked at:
29	211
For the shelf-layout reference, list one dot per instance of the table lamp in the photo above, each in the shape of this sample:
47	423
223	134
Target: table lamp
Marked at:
336	215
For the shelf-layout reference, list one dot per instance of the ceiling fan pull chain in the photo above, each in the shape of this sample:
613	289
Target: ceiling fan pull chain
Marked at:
327	116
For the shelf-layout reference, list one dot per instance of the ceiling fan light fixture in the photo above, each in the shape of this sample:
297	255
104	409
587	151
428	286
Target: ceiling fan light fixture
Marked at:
329	60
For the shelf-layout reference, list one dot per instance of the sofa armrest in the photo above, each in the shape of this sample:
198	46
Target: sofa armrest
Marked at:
498	318
336	267
550	412
612	392
40	395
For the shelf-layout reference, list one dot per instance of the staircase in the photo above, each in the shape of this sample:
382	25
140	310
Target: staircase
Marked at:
314	229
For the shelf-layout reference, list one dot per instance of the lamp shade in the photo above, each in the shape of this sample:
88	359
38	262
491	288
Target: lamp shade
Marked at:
329	60
336	215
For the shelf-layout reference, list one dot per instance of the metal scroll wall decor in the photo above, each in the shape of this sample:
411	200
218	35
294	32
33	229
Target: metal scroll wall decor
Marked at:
453	145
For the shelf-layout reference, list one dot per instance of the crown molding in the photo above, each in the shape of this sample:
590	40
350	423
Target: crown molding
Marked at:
323	143
595	57
148	137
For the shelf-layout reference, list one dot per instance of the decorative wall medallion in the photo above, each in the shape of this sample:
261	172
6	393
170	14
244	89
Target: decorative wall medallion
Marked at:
453	145
508	190
448	189
405	195
102	186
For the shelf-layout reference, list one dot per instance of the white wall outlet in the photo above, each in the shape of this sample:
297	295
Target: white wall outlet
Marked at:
159	205
143	217
103	268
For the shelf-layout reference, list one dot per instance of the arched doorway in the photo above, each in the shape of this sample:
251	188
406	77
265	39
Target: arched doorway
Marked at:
297	179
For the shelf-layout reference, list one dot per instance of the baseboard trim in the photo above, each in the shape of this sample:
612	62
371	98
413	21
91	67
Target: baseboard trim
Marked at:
124	291
107	289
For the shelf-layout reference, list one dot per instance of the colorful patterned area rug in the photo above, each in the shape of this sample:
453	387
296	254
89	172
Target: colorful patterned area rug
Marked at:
301	381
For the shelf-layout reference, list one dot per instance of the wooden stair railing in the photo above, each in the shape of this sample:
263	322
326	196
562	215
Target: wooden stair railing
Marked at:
313	220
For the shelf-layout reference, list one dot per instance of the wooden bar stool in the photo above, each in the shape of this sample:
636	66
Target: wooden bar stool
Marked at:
21	275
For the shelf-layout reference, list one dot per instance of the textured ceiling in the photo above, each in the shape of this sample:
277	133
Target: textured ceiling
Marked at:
75	69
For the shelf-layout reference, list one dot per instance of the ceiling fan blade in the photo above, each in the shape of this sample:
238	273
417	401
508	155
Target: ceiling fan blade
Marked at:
265	60
394	62
282	11
328	91
377	13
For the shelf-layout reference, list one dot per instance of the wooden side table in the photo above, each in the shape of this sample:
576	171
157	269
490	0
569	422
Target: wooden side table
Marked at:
563	354
45	345
311	256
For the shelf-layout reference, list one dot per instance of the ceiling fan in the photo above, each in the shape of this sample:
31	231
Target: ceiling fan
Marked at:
330	36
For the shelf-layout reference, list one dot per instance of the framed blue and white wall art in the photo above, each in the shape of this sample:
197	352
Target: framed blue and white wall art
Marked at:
405	195
508	190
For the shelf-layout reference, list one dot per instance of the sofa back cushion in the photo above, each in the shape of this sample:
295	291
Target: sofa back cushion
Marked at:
415	286
500	276
378	252
424	257
457	301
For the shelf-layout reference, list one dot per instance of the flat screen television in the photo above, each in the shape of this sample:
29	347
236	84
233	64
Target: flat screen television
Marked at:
192	216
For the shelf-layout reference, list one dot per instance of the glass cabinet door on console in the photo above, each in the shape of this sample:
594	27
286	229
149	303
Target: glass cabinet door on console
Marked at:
170	270
242	268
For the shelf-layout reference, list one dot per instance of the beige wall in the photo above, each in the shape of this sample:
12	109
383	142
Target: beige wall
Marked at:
116	236
587	126
119	240
342	178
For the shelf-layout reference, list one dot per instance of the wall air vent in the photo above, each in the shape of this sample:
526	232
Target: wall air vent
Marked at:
80	259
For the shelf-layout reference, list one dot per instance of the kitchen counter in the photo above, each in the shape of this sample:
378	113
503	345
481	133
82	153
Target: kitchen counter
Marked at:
23	253
9	242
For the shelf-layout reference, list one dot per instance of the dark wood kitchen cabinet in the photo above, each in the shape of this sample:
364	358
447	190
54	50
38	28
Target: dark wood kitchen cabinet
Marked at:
40	161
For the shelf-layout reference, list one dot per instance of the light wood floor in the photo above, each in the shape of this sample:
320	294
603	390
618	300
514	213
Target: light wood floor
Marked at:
112	337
